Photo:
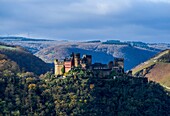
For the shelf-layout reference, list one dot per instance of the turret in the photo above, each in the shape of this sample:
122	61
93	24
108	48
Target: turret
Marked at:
89	59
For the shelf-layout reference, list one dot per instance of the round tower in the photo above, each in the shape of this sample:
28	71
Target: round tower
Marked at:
58	67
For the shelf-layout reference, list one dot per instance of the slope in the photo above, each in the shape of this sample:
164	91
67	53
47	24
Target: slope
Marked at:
156	69
100	52
25	60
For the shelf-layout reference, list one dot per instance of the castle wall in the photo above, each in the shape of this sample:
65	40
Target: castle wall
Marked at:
86	63
68	65
102	72
119	62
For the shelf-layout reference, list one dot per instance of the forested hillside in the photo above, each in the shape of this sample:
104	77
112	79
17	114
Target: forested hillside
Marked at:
81	94
26	61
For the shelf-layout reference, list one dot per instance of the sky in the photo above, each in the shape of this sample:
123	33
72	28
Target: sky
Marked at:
81	20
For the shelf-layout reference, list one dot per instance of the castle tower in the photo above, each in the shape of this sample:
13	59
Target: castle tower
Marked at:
77	59
58	67
110	65
89	59
119	62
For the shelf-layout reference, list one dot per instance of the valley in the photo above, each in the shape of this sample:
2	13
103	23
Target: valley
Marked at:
134	53
29	86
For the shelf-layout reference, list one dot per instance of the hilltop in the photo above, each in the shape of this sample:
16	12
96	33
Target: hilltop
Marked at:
31	44
156	69
21	39
21	59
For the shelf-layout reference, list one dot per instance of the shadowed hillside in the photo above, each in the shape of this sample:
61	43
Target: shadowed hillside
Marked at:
25	60
6	65
100	52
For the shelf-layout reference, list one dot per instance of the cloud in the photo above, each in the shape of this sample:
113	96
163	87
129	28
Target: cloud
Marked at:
158	1
141	20
100	7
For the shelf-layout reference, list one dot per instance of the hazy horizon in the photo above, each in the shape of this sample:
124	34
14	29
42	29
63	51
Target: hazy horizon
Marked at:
126	20
102	40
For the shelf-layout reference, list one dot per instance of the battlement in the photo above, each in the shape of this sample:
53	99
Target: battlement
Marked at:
56	62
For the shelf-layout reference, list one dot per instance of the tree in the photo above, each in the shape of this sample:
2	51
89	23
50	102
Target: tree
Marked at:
63	70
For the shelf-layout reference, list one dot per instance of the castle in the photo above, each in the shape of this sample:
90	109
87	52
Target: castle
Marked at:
85	63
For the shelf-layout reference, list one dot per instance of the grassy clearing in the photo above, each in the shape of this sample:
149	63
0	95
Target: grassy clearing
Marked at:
166	81
6	47
150	62
161	54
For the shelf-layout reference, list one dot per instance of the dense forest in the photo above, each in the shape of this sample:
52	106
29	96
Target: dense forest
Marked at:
81	93
26	61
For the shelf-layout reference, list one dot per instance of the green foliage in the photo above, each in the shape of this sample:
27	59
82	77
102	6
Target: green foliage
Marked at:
119	96
25	95
26	61
128	96
80	94
63	70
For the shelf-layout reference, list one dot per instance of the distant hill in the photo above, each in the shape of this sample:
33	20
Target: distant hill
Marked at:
21	39
156	69
134	52
100	52
14	56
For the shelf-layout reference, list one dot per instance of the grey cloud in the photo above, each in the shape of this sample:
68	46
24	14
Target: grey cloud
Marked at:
139	20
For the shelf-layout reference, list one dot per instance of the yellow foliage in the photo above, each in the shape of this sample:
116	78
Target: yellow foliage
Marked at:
31	86
91	86
44	86
30	79
85	101
80	100
75	77
65	74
